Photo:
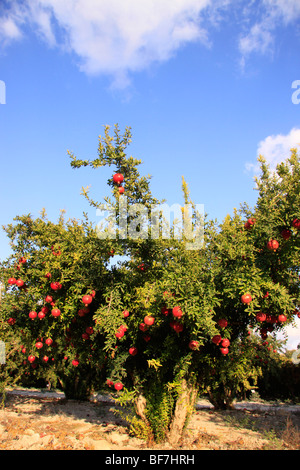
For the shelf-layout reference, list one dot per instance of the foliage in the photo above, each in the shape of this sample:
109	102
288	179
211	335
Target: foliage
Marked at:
280	379
10	373
192	293
67	253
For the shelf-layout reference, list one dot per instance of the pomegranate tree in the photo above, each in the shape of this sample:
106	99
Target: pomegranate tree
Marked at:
165	322
58	286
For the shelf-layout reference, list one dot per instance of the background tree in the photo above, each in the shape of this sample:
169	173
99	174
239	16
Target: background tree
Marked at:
52	267
256	272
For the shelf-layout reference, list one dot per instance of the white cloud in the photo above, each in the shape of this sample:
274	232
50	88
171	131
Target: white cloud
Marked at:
118	37
288	10
42	20
276	148
258	39
261	36
9	30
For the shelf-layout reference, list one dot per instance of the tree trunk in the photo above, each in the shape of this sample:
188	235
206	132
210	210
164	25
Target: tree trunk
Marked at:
221	400
184	408
140	406
76	389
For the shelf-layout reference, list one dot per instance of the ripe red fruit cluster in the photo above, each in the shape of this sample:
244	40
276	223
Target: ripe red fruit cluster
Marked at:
272	245
260	316
55	312
246	298
121	331
249	224
177	312
133	351
217	340
118	178
89	330
18	282
55	285
282	318
193	345
87	299
118	385
177	327
286	233
225	343
83	311
222	323
142	267
149	320
143	327
165	311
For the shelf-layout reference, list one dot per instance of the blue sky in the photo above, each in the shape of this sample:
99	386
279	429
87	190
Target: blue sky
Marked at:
205	85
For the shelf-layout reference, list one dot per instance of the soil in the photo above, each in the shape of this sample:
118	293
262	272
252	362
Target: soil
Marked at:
32	420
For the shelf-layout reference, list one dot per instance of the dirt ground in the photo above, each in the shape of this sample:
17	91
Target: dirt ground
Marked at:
32	420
